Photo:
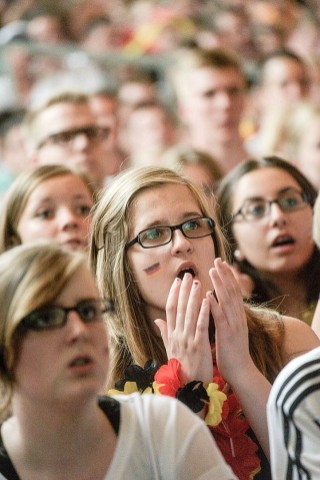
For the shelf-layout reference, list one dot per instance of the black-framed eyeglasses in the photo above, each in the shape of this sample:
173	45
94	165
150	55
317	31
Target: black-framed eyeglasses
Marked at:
55	316
67	138
162	234
289	200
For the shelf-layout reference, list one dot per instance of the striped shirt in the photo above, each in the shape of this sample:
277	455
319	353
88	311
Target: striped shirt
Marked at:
294	419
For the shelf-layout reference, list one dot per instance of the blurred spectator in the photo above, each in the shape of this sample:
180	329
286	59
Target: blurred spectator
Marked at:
165	28
101	35
138	87
284	81
150	130
232	27
210	90
200	167
47	24
64	130
104	105
307	154
271	24
13	154
47	202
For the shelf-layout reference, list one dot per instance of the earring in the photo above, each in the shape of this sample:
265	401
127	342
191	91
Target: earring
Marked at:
238	255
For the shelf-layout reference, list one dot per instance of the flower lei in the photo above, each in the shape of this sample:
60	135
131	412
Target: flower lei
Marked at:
223	414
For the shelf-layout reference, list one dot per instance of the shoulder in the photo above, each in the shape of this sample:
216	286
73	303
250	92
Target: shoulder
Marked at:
293	411
166	415
299	338
153	405
298	375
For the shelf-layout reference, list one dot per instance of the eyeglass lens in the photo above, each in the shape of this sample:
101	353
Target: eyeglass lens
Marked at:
290	200
67	137
55	316
157	236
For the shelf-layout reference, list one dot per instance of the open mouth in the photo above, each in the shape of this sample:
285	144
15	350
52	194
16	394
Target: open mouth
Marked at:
283	241
79	362
186	270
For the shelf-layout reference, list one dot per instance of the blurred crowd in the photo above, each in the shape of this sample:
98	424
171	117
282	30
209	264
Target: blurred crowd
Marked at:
131	57
217	104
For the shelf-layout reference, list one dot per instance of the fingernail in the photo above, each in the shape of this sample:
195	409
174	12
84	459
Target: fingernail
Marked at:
195	283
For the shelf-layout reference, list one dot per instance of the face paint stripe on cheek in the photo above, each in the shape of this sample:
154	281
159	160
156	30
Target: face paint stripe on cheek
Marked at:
155	268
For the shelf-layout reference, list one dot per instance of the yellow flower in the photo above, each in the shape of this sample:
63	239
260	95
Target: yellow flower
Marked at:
129	387
216	402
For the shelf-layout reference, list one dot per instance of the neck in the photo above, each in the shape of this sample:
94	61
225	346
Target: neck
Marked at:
292	290
65	423
59	442
153	313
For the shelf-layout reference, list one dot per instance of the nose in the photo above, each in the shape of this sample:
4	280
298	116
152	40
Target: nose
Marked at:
276	215
69	219
222	99
76	328
80	141
180	243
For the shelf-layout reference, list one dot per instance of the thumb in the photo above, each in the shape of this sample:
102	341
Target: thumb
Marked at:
162	325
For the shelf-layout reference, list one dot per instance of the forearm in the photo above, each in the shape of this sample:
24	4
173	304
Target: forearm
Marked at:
252	390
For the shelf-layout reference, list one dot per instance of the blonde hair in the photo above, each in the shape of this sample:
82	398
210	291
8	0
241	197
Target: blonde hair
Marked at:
31	117
132	338
186	60
18	194
31	276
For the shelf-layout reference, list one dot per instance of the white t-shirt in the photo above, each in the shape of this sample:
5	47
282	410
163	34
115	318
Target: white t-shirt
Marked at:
160	438
294	419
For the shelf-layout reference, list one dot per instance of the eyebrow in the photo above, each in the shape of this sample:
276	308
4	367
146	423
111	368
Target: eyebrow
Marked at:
44	200
279	192
185	217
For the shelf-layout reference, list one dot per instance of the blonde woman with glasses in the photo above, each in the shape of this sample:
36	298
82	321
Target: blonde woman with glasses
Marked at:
158	251
54	359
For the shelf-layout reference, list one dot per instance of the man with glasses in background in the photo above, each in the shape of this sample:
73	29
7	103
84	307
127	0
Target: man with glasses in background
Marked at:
65	130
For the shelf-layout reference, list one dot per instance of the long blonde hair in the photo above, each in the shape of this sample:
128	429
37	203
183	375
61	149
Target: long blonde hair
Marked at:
132	339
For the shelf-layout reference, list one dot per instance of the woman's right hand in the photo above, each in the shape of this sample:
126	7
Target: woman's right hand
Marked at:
185	330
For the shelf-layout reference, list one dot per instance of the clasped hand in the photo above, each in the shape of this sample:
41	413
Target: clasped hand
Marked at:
185	330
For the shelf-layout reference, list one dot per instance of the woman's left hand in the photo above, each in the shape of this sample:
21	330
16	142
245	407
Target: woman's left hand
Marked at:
227	308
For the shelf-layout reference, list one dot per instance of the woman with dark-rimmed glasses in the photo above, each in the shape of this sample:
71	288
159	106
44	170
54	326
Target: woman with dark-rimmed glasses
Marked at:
54	359
158	251
266	208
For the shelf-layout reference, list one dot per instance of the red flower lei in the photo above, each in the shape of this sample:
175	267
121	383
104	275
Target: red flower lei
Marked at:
238	449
